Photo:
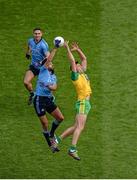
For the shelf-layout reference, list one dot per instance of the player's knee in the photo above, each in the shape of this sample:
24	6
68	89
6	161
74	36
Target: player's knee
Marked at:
81	127
61	118
26	83
44	124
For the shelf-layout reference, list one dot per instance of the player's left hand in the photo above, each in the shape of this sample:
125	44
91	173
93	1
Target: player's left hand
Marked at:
74	46
28	56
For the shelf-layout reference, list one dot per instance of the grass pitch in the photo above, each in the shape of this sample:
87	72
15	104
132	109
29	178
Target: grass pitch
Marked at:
106	30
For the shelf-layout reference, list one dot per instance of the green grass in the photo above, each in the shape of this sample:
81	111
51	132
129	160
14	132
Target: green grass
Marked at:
106	30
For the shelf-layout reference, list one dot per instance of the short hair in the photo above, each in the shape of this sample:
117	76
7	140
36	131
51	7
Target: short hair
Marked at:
37	28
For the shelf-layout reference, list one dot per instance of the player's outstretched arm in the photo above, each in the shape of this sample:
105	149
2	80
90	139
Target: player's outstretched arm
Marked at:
51	56
82	56
47	54
70	56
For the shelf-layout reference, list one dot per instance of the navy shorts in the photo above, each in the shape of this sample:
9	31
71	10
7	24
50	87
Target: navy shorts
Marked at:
43	104
34	70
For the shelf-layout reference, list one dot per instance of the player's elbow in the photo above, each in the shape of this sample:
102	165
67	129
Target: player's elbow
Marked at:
84	68
61	118
84	59
52	87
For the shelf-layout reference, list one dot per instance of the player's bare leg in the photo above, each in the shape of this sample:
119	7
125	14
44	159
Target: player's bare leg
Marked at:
27	83
80	121
28	79
67	133
44	123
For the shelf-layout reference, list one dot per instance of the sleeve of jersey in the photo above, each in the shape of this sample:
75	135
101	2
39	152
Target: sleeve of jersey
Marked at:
45	48
54	79
74	76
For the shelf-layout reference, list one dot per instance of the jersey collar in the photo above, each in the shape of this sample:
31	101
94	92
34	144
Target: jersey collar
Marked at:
38	41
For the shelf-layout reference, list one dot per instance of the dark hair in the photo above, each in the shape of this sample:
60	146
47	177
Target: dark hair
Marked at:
37	28
76	62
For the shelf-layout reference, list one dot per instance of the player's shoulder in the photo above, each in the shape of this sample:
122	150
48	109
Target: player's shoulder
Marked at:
31	39
74	75
44	42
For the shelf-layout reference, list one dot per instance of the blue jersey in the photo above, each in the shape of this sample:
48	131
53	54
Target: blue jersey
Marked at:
38	51
45	78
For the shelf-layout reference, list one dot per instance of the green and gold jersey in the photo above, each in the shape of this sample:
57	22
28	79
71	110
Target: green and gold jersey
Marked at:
82	85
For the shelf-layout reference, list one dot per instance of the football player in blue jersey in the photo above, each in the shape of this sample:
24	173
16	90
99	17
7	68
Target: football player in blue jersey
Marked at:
37	51
44	101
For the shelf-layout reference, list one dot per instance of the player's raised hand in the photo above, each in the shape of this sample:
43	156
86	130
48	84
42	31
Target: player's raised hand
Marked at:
66	44
74	46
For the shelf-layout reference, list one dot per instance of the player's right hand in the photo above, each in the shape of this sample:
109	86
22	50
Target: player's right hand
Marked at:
28	56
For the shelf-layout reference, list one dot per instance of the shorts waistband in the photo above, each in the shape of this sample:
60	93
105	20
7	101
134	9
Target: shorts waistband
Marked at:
44	96
87	98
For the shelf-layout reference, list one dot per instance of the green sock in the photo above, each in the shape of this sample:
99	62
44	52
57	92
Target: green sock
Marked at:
59	139
72	147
